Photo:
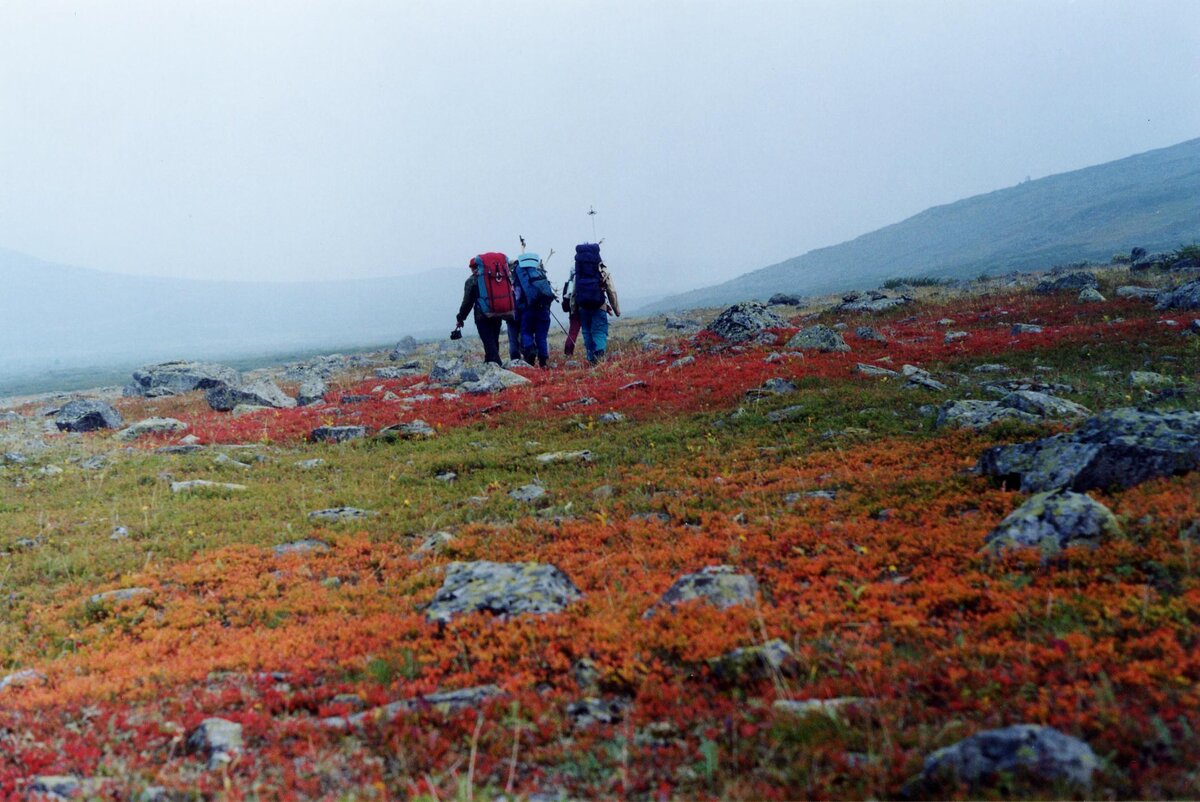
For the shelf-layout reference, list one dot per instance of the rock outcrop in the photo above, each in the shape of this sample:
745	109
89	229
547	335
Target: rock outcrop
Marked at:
87	416
173	378
1053	521
1071	282
745	321
818	338
1023	405
1185	296
1119	448
259	393
871	301
1040	753
718	585
502	589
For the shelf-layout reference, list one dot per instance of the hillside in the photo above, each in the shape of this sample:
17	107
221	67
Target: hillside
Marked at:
1151	200
61	318
947	557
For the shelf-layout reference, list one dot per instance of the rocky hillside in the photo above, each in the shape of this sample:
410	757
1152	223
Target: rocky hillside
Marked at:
941	544
1152	199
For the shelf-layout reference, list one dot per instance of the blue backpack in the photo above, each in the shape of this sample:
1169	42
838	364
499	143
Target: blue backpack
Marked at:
589	286
530	275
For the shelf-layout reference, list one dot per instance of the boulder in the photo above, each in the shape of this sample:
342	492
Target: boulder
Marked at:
1185	296
680	324
1132	291
752	663
745	321
869	334
718	585
173	378
1118	448
876	371
528	493
312	391
1090	295
1025	328
785	299
339	514
1043	405
1148	379
1052	521
444	702
502	589
1071	282
402	431
488	377
261	392
447	371
871	301
1039	753
337	434
1023	405
217	739
817	338
87	416
921	379
403	348
151	426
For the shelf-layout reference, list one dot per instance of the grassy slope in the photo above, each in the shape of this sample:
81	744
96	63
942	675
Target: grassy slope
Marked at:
901	608
1151	200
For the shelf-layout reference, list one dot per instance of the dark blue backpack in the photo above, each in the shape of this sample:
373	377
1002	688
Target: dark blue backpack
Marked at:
530	273
589	286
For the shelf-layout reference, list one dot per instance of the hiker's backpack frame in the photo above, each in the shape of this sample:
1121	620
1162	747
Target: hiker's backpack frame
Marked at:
530	275
495	285
589	284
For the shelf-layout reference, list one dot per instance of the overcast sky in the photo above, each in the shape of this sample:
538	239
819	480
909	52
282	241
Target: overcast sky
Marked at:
302	140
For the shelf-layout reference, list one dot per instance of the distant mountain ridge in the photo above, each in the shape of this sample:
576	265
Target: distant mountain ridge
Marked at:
1151	200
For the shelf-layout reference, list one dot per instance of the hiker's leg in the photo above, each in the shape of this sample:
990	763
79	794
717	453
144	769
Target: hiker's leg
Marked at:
514	335
529	335
489	333
541	333
572	334
599	334
585	330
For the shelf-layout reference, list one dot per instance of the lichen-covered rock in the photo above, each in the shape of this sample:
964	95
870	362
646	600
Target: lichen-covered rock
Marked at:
818	338
338	514
1025	328
770	659
772	386
488	377
204	484
502	589
591	711
173	378
1148	379
403	348
1023	405
876	371
120	595
217	739
312	391
1090	295
871	301
869	334
1072	282
920	378
1039	753
1132	291
785	299
306	546
745	321
1053	521
151	426
261	393
444	702
87	416
446	371
1118	448
718	585
403	431
1185	296
527	493
337	434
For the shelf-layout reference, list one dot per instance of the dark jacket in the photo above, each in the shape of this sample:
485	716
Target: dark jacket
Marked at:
469	301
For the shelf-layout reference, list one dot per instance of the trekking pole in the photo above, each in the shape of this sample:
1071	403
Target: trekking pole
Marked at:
592	214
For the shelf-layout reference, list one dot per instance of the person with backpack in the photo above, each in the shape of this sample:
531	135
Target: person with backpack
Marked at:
595	297
489	293
572	315
513	324
535	293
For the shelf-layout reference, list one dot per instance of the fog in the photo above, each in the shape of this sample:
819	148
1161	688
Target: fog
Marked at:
296	141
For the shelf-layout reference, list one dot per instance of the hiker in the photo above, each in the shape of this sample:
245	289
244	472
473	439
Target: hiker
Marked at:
572	315
595	297
535	293
489	292
513	324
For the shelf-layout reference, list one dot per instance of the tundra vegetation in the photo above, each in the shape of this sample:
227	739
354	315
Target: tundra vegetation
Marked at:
839	609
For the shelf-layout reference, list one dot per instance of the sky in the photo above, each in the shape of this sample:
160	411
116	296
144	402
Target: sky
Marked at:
325	140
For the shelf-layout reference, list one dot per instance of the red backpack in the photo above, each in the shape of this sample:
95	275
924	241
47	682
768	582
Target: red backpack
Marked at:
495	285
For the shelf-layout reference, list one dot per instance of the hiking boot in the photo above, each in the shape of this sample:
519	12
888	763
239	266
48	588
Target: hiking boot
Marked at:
530	357
542	360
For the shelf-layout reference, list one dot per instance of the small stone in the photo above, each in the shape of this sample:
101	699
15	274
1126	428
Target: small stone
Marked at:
528	493
309	464
1025	328
718	585
565	456
204	484
447	476
305	546
121	595
225	459
337	434
218	739
339	514
786	414
955	336
56	787
150	426
611	417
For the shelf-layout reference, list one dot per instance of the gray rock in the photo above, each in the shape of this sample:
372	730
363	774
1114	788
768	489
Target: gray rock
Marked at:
745	321
770	659
309	464
590	711
825	707
444	702
306	546
871	301
1090	295
1185	296
1042	753
680	324
991	367
434	544
173	378
786	414
398	372
490	379
954	336
203	484
261	393
1023	405
1145	379
610	417
87	416
56	786
338	514
1053	521
120	595
817	338
1043	405
1072	282
876	371
510	364
921	379
870	334
241	410
403	348
1118	448
337	434
225	459
528	493
502	589
565	456
312	391
447	371
718	585
1131	291
785	299
681	362
19	679
771	387
1025	328
151	426
217	739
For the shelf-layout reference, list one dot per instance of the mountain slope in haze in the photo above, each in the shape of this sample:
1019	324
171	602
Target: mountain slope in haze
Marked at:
56	316
1151	200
